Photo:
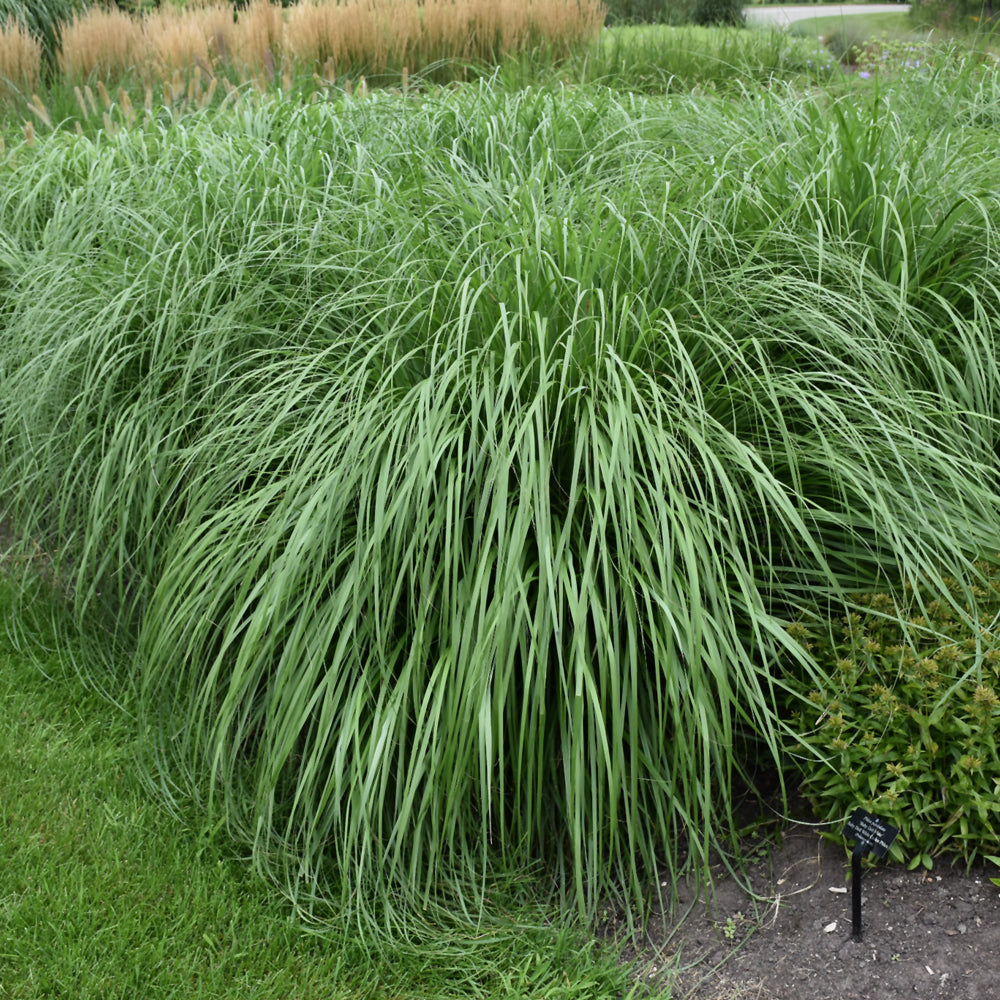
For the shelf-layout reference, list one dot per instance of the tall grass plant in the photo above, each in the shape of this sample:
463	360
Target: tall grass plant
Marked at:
658	59
101	43
332	39
447	470
43	20
20	60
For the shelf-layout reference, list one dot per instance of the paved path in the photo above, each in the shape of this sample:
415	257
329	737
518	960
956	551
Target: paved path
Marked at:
783	16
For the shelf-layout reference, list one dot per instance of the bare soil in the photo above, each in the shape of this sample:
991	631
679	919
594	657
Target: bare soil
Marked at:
924	933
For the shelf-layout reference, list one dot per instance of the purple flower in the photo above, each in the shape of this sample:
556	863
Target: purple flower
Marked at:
864	75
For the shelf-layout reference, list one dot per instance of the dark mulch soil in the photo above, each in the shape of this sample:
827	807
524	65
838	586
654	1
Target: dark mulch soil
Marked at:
924	934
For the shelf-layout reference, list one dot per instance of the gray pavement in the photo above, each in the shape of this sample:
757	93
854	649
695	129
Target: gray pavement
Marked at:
783	16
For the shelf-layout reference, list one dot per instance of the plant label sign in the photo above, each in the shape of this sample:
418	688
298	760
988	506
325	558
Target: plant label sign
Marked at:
870	835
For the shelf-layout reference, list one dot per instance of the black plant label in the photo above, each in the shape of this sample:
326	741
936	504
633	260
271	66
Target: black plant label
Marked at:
870	833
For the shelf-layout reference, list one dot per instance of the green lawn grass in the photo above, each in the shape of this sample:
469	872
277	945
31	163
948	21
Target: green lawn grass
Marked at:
103	894
896	24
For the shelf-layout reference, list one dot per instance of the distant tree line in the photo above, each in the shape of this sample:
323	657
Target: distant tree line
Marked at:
675	12
955	14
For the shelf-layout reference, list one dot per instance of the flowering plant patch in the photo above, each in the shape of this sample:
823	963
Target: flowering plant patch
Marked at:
884	56
905	723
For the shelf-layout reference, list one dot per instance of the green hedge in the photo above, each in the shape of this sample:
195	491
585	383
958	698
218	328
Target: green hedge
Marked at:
675	12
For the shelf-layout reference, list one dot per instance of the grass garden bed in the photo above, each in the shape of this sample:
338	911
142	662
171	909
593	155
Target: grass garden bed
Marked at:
434	474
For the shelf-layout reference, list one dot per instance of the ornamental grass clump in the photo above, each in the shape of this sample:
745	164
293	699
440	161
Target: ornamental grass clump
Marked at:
181	40
100	43
42	20
906	721
361	36
108	45
441	474
20	60
661	59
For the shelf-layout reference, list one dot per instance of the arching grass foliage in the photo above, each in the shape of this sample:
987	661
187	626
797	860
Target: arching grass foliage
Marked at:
450	468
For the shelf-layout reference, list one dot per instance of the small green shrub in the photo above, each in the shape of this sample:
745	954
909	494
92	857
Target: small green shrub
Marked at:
894	55
848	37
717	12
675	12
705	12
890	57
954	15
636	11
907	725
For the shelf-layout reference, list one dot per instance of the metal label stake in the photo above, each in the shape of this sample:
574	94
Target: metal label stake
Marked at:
870	835
856	855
